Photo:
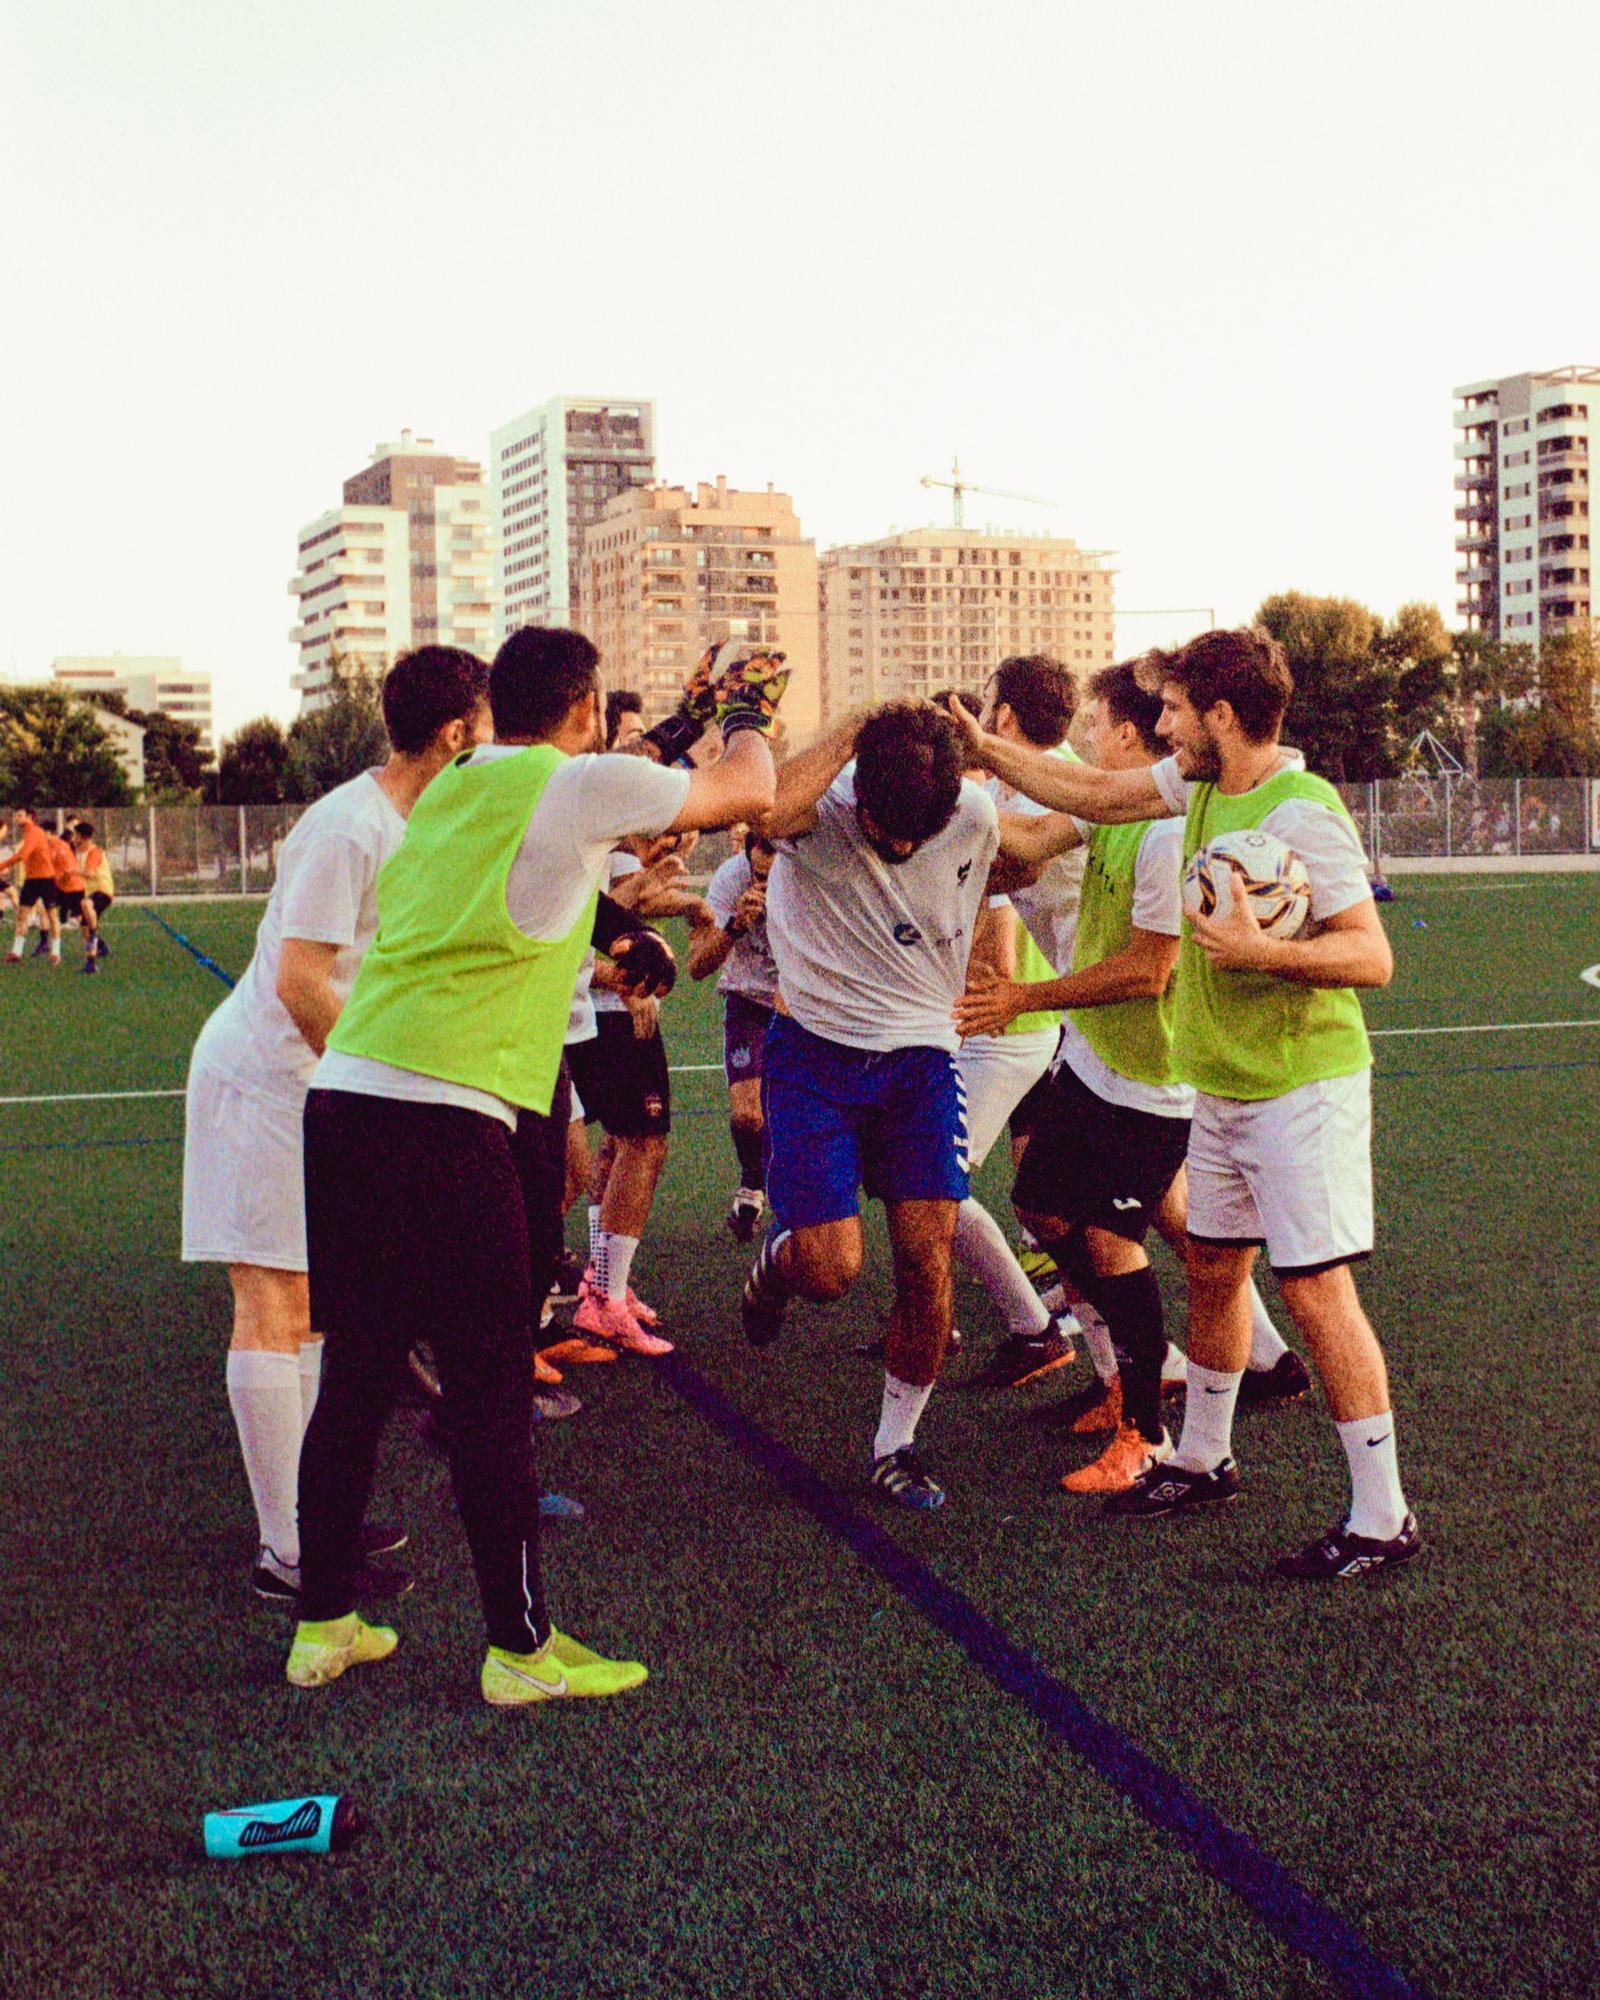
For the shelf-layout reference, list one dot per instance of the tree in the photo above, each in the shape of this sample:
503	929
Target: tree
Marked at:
53	751
174	758
1421	658
342	738
253	765
1342	714
1488	675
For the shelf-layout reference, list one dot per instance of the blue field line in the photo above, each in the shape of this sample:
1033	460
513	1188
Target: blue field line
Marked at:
1262	1884
191	948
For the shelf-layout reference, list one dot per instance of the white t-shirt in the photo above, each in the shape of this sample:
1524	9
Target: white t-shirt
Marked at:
749	969
602	1001
873	953
1325	840
588	804
1048	907
325	893
1158	907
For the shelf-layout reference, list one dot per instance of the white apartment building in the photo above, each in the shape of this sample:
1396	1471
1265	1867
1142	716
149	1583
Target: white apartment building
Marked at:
940	608
1523	502
154	685
408	560
553	471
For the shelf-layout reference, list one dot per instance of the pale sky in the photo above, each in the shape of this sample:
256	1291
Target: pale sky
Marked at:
1205	275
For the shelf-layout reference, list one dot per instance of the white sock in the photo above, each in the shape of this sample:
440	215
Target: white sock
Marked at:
1207	1418
613	1259
594	1229
16	945
1176	1366
1097	1338
310	1380
903	1405
982	1251
1267	1345
264	1393
1377	1504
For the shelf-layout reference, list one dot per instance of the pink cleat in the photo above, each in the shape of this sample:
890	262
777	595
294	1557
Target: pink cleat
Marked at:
612	1321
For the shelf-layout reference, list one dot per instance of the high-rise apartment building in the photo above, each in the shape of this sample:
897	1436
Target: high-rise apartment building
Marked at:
408	560
667	572
1523	502
940	607
553	471
154	686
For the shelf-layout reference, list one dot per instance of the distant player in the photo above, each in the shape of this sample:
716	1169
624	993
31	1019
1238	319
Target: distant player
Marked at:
883	861
733	942
243	1182
72	893
36	897
100	888
1270	1032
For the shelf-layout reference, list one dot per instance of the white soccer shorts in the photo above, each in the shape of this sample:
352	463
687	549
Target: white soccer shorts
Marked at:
998	1072
1291	1172
244	1198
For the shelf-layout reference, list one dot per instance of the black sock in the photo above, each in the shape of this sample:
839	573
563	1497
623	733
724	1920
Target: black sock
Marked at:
749	1142
1131	1305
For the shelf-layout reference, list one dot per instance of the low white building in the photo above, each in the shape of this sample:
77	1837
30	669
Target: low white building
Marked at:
155	685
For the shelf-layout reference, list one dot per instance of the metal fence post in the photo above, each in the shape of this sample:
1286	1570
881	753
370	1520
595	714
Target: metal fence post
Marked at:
150	817
244	856
1449	817
1516	816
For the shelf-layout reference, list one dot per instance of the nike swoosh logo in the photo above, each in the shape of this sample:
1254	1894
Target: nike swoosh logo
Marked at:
1215	1392
1373	1443
533	1680
1118	1202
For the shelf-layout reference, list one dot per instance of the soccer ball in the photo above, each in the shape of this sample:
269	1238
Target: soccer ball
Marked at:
1275	880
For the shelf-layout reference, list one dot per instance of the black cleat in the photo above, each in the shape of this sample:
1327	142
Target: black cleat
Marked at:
1024	1358
766	1296
567	1278
1286	1381
271	1581
902	1478
744	1215
1168	1489
1340	1554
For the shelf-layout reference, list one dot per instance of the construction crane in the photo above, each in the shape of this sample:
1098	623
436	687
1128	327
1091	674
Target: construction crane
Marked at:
959	486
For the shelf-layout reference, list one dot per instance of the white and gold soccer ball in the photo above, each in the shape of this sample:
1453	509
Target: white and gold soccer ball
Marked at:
1275	880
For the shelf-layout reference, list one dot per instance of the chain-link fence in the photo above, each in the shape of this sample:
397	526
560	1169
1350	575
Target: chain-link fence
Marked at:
233	850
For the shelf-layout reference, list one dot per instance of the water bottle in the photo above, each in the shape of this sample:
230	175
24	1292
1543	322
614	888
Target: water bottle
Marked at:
321	1824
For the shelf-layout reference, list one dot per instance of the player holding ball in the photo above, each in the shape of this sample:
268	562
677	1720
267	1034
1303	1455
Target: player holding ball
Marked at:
1269	1030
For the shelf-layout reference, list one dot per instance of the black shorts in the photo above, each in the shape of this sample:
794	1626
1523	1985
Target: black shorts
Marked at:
39	890
623	1082
102	902
1097	1163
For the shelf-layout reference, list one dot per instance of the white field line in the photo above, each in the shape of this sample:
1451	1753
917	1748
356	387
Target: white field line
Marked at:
1489	1028
1591	974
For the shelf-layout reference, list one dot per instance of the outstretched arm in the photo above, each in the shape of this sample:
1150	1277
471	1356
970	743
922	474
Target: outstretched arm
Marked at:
804	779
1106	797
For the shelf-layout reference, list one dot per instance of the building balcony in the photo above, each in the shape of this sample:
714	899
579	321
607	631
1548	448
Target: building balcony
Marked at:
1475	540
1475	445
1565	582
1477	510
1476	482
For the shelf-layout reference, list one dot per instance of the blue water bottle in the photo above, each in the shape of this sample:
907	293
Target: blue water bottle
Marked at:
321	1824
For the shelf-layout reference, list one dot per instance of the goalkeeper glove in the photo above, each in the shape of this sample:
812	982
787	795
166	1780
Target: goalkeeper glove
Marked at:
748	694
695	713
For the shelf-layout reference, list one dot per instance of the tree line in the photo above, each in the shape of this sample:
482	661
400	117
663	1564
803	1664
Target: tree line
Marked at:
1366	690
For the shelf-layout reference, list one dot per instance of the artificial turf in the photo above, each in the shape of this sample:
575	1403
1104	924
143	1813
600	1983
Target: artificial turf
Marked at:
817	1793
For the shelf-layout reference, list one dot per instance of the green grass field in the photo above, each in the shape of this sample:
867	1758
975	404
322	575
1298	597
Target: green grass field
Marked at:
818	1794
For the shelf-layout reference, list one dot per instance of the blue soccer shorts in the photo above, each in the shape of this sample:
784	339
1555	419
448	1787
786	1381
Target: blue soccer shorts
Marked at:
840	1119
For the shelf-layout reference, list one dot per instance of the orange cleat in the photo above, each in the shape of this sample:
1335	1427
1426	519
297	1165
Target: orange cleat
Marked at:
1126	1459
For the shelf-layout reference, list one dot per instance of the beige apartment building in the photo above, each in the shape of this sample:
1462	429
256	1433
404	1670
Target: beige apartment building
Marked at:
665	573
406	561
1524	504
155	685
940	607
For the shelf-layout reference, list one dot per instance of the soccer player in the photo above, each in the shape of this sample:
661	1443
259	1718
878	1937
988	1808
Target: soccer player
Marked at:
72	893
732	940
451	1037
624	718
100	889
1029	700
883	861
36	899
243	1189
1270	1032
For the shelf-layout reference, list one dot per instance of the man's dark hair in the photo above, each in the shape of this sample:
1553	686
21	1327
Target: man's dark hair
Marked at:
908	770
1127	700
1042	696
427	688
537	675
621	702
754	841
1248	669
971	699
84	827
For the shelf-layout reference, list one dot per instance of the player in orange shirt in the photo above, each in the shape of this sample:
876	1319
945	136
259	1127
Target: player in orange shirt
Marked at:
72	893
36	852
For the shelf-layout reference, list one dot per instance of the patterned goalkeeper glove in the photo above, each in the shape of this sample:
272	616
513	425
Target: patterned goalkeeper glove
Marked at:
748	693
695	713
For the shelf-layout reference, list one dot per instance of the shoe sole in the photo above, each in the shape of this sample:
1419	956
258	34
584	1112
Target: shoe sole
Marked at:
1174	1507
332	1670
1370	1574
